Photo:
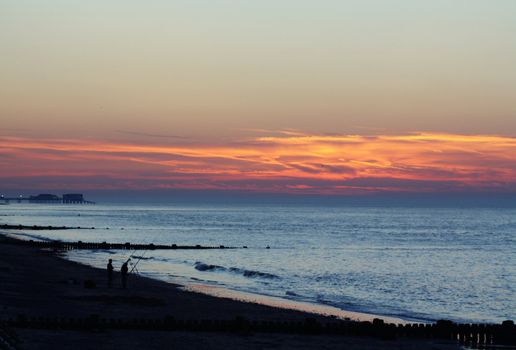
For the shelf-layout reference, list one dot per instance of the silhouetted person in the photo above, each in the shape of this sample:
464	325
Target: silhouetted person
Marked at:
110	273
123	272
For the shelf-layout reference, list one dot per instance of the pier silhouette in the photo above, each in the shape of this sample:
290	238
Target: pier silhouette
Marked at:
47	198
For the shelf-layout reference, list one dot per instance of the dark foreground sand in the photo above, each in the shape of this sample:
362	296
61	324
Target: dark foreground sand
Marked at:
39	283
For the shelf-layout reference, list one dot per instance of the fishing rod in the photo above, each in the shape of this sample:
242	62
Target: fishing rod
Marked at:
132	254
142	255
137	261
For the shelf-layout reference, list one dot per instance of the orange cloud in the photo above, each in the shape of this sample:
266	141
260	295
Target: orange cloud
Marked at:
290	162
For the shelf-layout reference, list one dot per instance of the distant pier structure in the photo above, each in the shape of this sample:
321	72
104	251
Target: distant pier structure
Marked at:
74	198
47	198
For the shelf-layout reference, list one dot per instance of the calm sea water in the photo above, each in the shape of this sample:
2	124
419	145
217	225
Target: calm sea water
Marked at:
412	263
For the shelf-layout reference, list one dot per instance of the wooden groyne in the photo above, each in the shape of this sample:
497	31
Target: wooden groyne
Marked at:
59	245
39	227
475	336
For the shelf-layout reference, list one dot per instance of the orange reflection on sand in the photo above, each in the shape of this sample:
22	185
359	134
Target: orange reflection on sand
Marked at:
283	303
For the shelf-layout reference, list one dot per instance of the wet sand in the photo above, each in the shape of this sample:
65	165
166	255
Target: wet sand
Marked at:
37	283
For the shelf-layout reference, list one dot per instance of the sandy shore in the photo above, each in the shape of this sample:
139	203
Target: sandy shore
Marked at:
39	283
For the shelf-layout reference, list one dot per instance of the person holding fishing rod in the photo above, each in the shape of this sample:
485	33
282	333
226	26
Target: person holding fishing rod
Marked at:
124	270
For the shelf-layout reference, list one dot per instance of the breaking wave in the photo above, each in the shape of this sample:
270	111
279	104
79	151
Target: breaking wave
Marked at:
205	267
200	266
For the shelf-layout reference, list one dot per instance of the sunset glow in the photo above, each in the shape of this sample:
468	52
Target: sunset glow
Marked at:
288	163
297	97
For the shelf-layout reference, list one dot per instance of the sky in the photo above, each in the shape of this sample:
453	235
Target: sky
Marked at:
312	97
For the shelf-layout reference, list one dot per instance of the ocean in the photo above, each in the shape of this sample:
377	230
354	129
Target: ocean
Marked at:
416	264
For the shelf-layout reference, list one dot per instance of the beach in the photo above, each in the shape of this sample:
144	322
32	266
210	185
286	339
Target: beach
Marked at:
40	283
261	174
388	261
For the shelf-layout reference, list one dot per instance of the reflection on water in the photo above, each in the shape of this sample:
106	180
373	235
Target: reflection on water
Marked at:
412	263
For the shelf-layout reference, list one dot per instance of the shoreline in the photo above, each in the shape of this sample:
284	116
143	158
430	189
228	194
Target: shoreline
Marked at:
390	274
37	283
289	304
256	298
54	272
309	308
204	287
